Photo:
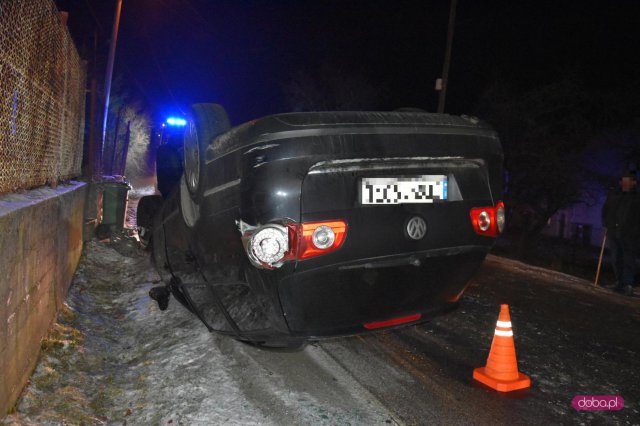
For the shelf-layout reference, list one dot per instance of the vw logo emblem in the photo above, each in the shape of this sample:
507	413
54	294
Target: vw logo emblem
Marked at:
416	228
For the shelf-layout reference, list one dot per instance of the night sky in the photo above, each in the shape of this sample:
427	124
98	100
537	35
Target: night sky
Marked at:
242	53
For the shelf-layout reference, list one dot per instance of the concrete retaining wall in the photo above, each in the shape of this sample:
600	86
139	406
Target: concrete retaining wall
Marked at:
40	246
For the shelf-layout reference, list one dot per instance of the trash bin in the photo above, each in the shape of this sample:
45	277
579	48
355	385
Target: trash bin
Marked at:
115	195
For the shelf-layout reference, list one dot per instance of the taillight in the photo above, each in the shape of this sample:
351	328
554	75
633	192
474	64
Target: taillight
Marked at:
271	245
488	221
268	246
317	238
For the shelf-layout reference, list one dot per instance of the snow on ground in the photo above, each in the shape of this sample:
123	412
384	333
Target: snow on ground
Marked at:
141	191
561	281
114	358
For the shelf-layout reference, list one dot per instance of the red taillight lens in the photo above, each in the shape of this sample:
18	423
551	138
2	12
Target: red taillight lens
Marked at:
488	221
317	238
271	245
292	229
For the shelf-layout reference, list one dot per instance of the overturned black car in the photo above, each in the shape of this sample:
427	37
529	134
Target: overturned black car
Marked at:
307	225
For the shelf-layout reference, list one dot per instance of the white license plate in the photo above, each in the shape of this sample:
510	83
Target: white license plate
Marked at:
403	189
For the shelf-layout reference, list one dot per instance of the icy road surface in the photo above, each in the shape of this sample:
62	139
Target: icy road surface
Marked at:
571	339
114	358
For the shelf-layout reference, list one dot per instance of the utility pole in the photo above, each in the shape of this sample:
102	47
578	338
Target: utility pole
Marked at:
109	73
447	57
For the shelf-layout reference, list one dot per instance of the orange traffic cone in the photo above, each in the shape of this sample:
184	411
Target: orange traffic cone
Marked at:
501	372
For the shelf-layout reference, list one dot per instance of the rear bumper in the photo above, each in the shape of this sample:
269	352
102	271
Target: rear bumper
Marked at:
339	299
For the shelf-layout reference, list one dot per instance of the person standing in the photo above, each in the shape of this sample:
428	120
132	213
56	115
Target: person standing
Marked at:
621	217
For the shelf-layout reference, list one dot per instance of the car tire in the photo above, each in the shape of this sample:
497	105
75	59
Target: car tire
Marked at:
205	123
168	169
148	206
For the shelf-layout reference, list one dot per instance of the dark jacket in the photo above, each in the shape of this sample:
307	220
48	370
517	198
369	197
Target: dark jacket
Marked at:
621	214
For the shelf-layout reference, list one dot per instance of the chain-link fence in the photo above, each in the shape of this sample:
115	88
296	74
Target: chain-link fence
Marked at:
42	95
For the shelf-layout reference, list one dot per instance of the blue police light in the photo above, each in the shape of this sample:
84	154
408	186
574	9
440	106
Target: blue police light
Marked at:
175	121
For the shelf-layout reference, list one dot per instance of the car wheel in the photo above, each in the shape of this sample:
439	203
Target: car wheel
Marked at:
168	169
148	206
189	209
206	122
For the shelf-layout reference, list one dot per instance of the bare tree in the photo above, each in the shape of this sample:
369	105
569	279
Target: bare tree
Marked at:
129	114
138	164
544	132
